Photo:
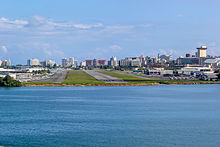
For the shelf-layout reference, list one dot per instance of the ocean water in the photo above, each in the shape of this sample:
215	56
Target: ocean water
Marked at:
158	116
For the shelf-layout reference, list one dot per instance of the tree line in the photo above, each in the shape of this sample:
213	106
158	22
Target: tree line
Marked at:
8	81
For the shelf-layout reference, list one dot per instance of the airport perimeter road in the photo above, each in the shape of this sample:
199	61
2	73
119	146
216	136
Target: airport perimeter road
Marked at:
58	77
103	77
133	75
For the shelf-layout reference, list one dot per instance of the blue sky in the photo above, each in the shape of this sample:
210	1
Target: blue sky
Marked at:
53	29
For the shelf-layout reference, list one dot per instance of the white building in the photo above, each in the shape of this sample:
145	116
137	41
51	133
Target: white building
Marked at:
33	62
190	70
48	63
135	61
69	63
201	52
215	63
113	61
83	64
64	62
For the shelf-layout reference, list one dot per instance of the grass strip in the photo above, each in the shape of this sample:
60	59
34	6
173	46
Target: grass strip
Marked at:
129	79
80	77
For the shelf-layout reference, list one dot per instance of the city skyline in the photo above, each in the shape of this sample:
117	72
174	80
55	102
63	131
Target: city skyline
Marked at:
96	29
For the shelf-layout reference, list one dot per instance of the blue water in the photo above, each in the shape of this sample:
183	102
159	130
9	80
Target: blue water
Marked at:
159	116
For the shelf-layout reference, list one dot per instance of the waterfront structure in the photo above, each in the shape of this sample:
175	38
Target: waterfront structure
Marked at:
33	62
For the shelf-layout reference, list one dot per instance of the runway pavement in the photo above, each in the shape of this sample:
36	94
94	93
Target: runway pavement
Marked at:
103	77
58	77
133	75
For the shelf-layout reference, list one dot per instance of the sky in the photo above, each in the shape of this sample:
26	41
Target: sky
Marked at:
54	29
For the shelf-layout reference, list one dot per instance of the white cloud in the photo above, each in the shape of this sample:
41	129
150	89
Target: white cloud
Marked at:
43	23
17	22
180	15
115	48
4	49
84	26
115	29
11	24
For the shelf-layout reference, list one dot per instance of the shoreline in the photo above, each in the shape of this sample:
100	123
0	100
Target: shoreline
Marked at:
114	84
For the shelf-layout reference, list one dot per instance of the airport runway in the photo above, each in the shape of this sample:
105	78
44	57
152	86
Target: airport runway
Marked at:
103	77
133	75
58	77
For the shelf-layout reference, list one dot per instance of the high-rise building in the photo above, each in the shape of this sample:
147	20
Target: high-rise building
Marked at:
95	62
75	63
71	61
133	61
201	52
33	62
143	60
113	61
48	63
101	62
64	62
83	63
89	62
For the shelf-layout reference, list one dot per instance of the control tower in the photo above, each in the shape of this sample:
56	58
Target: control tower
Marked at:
201	51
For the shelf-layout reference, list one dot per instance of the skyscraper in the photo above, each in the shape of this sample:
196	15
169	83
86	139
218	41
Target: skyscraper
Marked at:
201	51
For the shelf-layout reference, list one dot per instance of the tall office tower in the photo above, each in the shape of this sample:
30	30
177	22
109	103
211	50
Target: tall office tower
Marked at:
33	62
64	62
113	61
71	61
201	51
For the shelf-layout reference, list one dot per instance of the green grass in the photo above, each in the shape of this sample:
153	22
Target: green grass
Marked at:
153	78
129	79
37	83
80	77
